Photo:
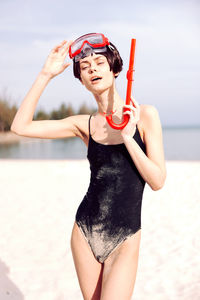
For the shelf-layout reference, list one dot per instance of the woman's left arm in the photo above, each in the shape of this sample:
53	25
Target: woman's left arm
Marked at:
151	165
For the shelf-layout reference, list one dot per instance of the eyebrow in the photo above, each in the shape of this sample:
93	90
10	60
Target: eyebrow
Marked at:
87	61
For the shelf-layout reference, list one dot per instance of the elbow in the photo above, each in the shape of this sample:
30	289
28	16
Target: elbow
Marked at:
158	185
15	130
12	128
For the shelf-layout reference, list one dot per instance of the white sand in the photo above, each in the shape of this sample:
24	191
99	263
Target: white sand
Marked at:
38	202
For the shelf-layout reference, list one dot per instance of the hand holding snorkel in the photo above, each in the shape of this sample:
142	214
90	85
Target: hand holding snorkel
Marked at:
128	92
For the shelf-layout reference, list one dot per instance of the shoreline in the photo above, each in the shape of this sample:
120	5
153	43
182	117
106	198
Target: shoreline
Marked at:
10	137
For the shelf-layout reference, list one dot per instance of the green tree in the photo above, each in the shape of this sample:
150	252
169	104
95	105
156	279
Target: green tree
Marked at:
41	115
85	110
7	114
54	115
70	111
63	112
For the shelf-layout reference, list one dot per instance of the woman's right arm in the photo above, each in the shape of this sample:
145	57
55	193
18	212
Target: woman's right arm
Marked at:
23	123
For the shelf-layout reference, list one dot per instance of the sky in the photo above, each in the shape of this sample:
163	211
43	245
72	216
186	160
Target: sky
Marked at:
167	58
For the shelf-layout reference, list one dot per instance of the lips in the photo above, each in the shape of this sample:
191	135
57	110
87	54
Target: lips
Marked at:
96	78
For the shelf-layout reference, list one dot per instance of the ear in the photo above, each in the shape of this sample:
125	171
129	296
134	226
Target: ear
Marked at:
116	74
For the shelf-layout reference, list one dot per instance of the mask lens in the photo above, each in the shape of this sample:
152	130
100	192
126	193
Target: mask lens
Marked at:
92	40
95	39
76	46
87	50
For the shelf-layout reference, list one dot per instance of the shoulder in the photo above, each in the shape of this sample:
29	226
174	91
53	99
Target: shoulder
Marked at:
150	123
80	124
79	120
149	115
149	120
148	112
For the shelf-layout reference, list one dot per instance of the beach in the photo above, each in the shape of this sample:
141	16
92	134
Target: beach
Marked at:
38	203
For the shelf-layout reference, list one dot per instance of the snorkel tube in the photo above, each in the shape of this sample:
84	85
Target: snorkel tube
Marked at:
128	91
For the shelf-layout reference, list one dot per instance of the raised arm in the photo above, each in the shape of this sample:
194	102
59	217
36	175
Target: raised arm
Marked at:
23	123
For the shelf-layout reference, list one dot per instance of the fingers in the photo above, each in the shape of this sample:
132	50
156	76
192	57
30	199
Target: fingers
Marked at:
63	47
134	115
134	102
130	107
66	65
57	47
128	112
134	105
133	109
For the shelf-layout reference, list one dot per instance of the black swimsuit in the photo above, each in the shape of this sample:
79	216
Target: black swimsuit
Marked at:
110	212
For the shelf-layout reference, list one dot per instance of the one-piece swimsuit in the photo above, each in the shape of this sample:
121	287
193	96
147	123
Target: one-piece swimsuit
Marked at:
110	212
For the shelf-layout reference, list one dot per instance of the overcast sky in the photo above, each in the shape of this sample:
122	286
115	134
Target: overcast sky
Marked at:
167	50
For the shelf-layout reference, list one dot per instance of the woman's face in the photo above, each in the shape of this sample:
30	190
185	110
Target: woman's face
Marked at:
95	73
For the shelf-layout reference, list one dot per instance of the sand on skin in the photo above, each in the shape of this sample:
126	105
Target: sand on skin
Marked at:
38	203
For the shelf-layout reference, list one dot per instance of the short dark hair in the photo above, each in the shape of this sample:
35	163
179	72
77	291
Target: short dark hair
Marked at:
113	57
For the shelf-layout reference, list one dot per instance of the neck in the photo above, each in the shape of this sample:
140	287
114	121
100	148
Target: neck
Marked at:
109	102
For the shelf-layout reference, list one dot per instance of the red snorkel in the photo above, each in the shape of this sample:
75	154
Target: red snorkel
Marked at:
128	92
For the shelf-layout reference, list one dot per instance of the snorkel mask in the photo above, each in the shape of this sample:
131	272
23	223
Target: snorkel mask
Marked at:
87	44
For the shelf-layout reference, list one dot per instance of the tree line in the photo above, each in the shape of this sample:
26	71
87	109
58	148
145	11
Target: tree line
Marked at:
8	111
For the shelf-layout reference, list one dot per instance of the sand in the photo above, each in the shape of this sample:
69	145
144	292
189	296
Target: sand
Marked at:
38	202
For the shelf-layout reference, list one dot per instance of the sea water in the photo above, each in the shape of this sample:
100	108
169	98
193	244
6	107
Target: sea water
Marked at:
179	144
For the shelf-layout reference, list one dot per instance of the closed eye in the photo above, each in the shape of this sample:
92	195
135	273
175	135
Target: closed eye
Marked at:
84	68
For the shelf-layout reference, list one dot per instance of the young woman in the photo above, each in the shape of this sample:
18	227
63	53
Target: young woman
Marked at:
107	230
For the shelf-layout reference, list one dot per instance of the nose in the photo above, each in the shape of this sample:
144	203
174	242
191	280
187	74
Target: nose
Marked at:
93	67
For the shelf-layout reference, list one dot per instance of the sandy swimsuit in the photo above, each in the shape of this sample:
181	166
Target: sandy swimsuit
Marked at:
110	212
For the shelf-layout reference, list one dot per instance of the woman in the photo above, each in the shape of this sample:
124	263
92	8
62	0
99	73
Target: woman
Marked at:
107	230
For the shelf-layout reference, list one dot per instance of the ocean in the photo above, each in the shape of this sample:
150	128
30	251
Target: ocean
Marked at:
179	144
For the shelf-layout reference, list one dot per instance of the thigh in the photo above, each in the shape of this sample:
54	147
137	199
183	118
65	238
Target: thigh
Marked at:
88	269
120	270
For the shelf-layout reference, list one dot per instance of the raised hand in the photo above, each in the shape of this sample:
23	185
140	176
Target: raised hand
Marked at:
55	63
